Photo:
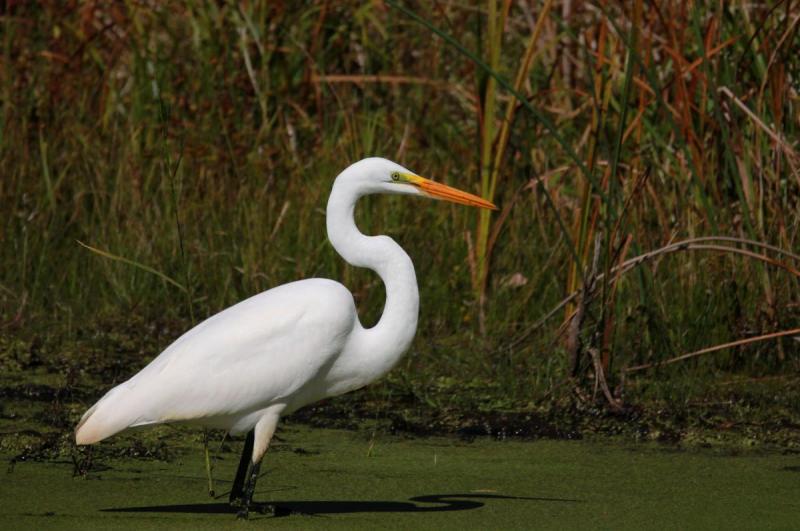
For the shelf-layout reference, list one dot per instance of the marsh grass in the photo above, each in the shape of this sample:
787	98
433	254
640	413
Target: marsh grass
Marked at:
200	141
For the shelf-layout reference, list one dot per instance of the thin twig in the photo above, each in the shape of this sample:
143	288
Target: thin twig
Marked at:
745	241
379	78
579	315
791	155
712	349
710	247
600	380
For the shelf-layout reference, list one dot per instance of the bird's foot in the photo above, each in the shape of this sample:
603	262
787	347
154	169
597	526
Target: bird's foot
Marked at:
237	503
259	508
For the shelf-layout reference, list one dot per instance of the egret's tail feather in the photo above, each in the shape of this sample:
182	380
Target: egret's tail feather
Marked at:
103	419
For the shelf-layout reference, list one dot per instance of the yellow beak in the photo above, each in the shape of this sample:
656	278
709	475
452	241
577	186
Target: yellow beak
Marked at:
447	193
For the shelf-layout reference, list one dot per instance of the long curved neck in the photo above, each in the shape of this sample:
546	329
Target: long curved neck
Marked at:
398	323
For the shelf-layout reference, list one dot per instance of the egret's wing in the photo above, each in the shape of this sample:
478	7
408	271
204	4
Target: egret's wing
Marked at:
261	351
258	352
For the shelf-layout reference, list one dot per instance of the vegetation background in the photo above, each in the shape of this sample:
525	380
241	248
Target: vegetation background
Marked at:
160	161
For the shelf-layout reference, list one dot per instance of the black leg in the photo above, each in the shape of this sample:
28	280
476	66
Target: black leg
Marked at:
236	496
247	498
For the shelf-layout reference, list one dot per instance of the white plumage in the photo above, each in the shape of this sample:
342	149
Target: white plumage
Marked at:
292	345
267	350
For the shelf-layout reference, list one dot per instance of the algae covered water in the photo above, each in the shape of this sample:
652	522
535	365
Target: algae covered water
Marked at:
336	479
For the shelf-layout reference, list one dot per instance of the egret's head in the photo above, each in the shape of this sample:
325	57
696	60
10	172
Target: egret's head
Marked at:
381	176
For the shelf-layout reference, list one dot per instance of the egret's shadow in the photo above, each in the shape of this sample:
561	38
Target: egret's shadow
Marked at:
441	502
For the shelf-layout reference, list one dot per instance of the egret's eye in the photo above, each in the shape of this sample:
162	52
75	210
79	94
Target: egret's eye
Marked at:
395	176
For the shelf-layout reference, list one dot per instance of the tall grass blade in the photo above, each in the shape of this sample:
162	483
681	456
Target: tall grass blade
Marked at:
143	267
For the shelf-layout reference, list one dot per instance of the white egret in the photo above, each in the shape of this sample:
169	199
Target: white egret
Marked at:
271	354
